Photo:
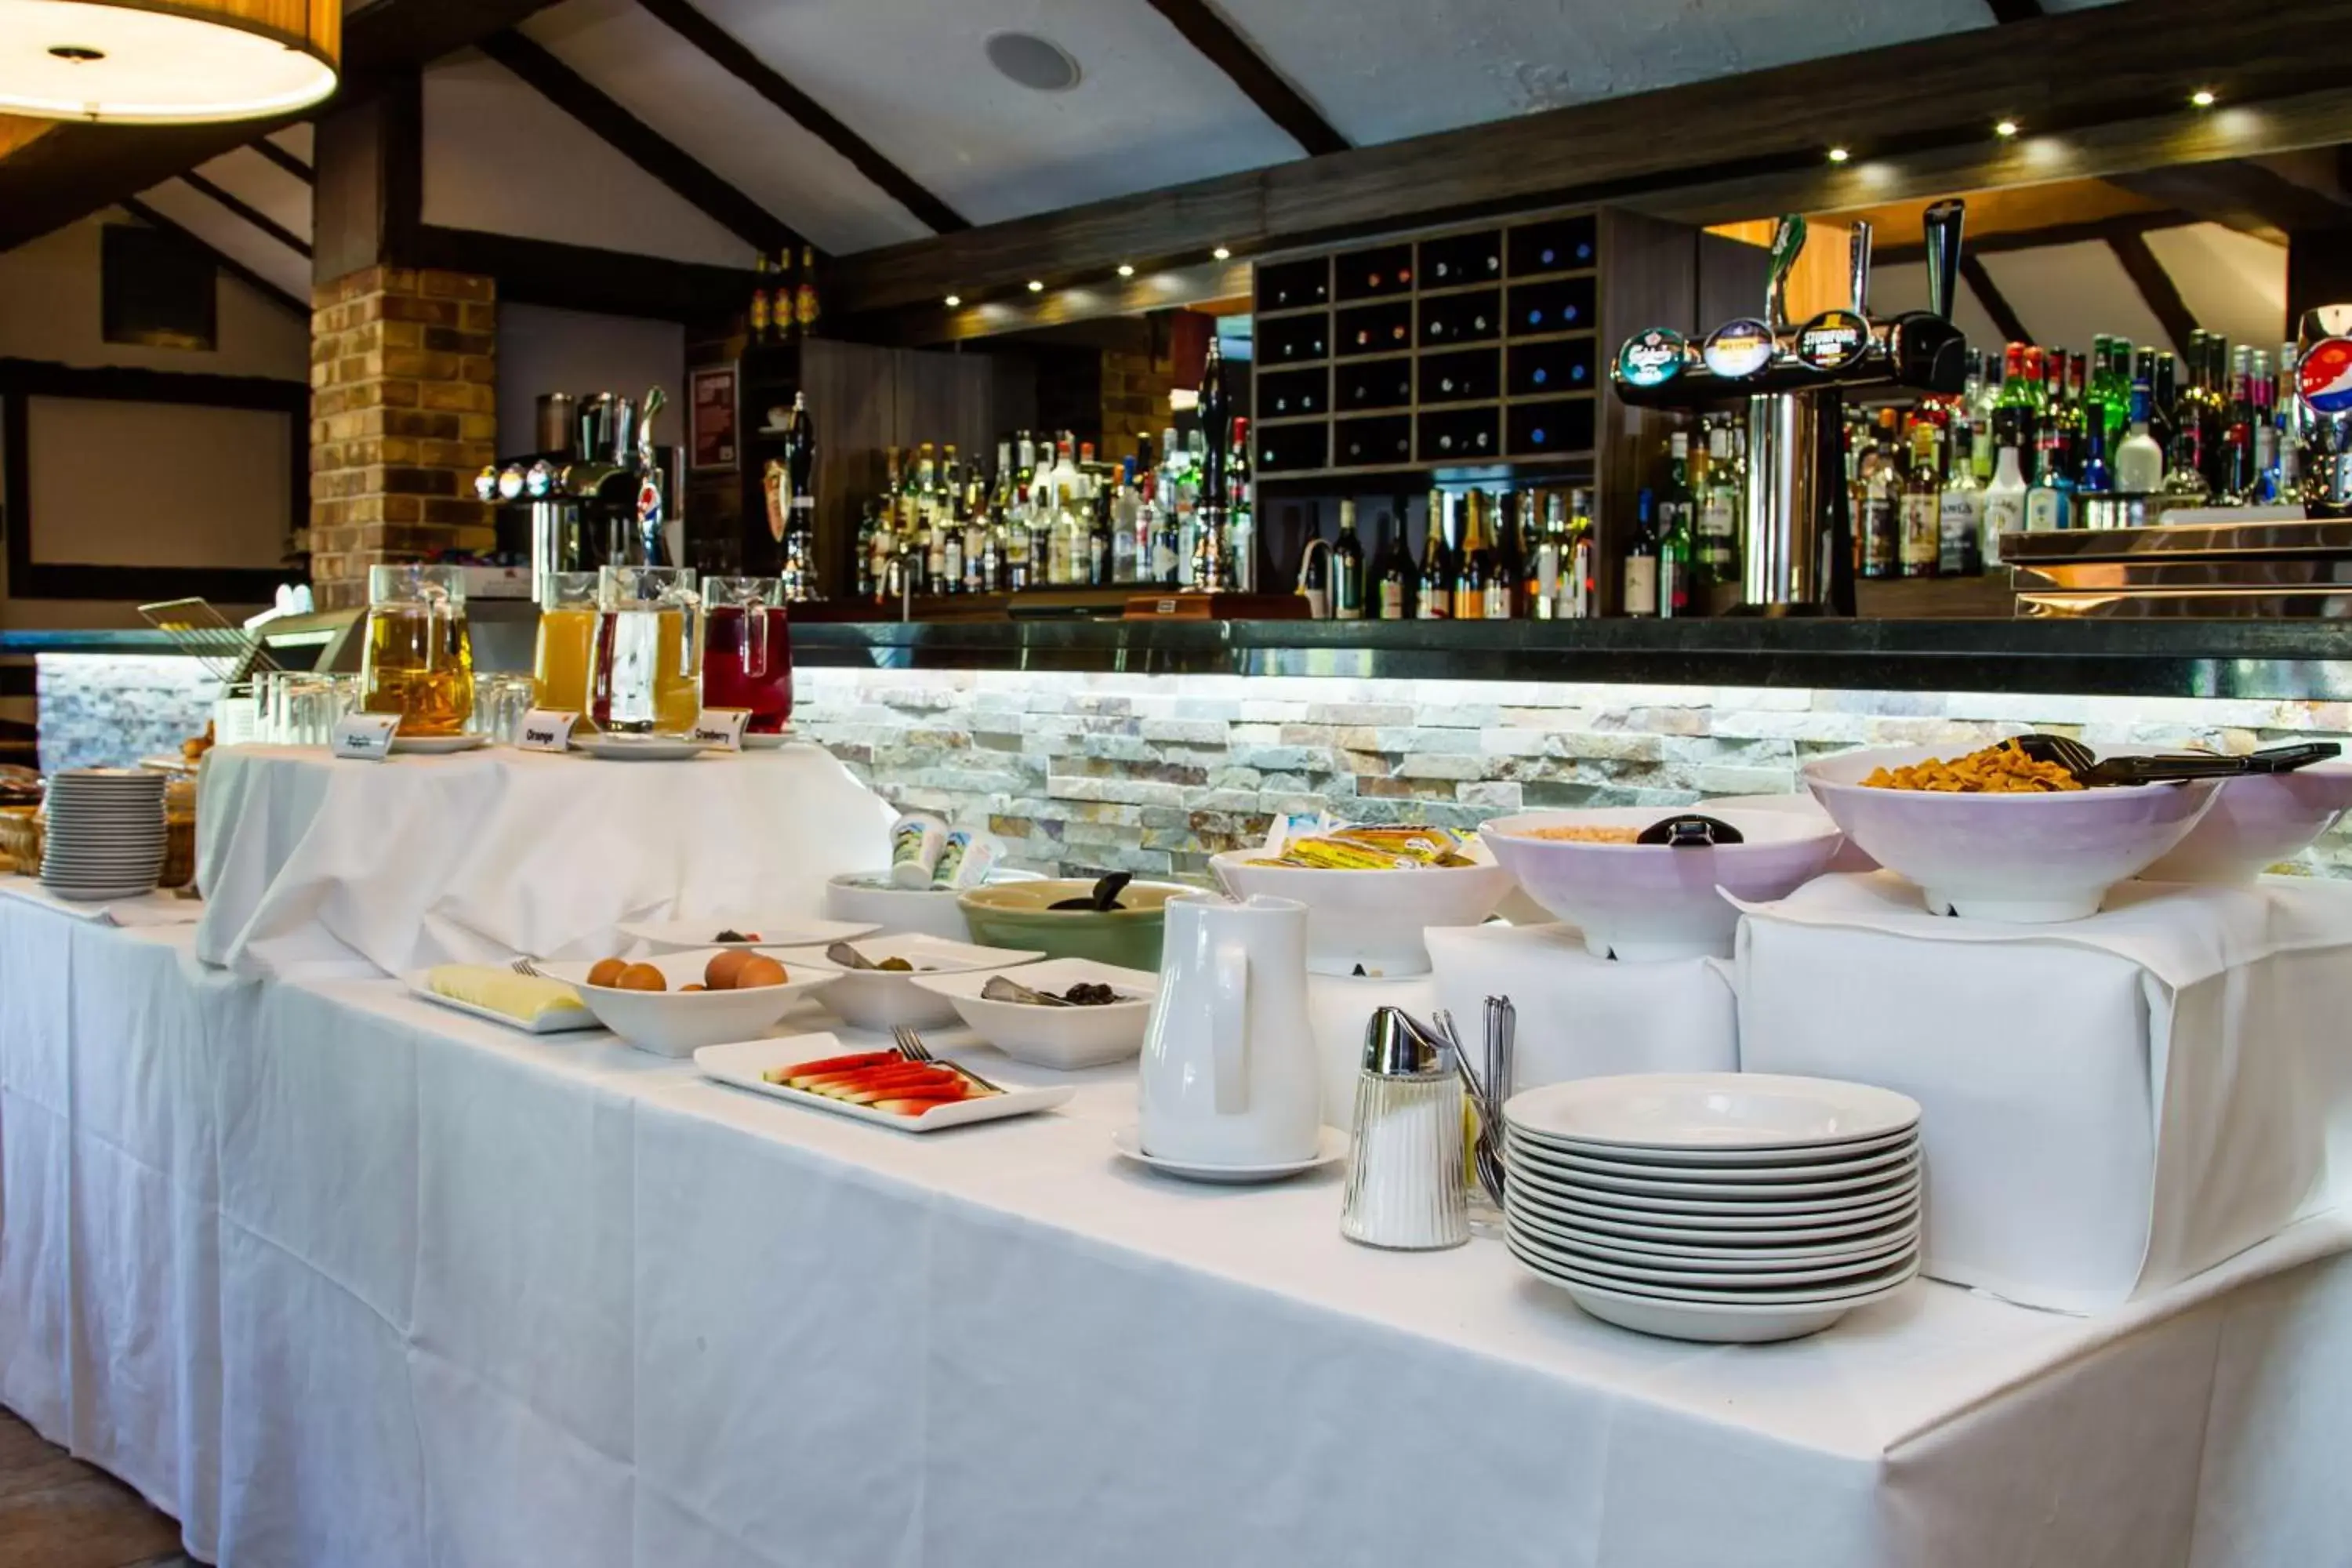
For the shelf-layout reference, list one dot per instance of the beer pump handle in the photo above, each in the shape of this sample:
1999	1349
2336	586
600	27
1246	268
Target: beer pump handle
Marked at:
1788	243
1942	223
1858	267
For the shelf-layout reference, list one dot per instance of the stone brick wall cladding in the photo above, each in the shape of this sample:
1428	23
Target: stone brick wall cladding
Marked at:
1152	775
403	400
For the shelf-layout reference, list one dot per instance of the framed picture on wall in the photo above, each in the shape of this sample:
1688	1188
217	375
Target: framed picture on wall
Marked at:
712	418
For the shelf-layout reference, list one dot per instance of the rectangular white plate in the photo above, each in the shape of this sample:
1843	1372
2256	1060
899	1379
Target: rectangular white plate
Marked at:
562	1023
742	1062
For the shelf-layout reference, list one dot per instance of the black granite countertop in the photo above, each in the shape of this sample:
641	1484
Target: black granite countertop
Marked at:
2265	660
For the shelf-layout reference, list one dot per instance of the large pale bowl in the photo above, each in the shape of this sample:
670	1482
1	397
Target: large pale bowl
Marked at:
2024	859
1020	914
1370	921
2257	821
871	896
1646	901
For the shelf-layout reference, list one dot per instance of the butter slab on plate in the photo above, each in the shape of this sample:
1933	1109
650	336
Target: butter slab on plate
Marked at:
743	1063
504	997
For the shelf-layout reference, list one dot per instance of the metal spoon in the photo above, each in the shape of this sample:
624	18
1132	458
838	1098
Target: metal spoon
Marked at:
1000	989
1106	894
848	957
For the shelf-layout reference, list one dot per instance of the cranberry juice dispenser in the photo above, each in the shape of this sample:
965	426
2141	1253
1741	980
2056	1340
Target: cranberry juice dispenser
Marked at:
1796	553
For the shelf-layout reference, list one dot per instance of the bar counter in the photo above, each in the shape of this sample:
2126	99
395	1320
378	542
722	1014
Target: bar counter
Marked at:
2246	658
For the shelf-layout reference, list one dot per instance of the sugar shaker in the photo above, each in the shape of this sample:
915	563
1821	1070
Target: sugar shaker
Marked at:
1404	1177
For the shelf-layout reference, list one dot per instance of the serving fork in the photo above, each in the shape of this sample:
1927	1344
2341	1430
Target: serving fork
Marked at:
910	1045
525	966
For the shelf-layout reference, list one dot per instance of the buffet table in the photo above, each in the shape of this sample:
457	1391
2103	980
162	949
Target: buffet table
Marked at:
339	1277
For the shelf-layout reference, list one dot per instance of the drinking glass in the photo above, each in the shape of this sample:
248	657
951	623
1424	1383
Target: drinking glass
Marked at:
747	652
568	612
310	710
420	656
499	703
646	671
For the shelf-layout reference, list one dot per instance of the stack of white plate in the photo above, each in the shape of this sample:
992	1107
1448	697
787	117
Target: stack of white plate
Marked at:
1719	1207
105	834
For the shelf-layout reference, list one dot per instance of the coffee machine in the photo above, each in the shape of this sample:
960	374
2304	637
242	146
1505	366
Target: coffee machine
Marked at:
1796	544
598	493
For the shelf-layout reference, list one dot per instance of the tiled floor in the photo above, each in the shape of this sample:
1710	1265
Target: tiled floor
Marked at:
58	1512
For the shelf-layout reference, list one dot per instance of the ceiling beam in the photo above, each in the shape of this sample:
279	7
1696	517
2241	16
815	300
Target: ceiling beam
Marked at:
2094	231
77	169
732	54
1224	47
2155	287
283	159
2244	195
640	143
583	277
2063	77
220	258
250	214
1996	304
2007	11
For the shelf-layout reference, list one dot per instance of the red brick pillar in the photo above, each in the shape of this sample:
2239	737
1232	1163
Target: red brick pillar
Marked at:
403	412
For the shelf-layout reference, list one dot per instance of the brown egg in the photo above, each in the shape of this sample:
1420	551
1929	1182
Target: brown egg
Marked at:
721	971
642	977
607	971
684	989
759	970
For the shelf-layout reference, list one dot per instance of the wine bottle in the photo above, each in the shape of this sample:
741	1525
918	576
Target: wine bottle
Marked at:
1640	581
1434	594
1348	568
1394	567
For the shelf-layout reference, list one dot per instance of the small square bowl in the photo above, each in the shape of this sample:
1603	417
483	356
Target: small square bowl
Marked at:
1062	1037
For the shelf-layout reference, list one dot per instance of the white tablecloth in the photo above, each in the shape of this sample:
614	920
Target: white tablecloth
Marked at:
344	1278
477	858
2112	1104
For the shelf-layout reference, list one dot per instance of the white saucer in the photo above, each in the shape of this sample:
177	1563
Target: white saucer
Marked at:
438	745
768	742
1330	1144
639	748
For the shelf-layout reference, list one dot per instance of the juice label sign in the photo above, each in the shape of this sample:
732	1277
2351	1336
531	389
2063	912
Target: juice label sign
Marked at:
546	729
364	737
722	728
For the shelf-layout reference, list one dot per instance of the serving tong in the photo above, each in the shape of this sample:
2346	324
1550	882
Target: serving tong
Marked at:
2090	771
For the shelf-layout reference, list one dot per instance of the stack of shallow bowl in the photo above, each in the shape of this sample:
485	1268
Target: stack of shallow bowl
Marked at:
1729	1207
105	834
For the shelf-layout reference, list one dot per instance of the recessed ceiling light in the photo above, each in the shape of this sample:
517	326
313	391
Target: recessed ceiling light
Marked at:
2202	98
2005	128
1126	270
953	300
1839	154
1222	254
1033	62
1036	287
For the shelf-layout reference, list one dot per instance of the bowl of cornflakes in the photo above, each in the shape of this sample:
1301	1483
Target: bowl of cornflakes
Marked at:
1646	901
1994	835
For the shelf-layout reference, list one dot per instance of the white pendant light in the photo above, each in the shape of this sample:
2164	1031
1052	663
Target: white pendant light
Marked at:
161	62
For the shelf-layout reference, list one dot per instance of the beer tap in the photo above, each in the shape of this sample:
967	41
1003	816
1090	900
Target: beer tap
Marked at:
652	507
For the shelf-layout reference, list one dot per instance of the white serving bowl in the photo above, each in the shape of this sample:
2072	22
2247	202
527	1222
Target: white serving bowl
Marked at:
1372	920
889	999
868	897
766	930
676	1023
1062	1037
1849	855
2255	822
1645	901
2025	858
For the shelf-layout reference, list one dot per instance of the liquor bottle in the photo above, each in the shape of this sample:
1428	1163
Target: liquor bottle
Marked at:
2012	412
1675	551
2261	392
2140	461
1212	572
867	530
1922	516
1640	585
2163	405
1960	511
799	454
1882	521
2094	479
1498	578
1676	507
2185	454
1241	519
1473	559
1392	566
1583	559
2204	406
2048	499
2004	503
1167	539
1125	503
951	547
2240	474
1718	513
804	299
1548	599
1099	540
1435	593
761	323
1348	568
1979	397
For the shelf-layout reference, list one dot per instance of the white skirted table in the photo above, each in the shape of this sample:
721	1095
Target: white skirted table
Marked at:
341	1277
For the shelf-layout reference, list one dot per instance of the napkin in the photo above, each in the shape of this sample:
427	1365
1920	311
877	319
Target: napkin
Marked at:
2112	1104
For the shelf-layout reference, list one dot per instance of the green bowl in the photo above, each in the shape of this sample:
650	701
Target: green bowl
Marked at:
1014	914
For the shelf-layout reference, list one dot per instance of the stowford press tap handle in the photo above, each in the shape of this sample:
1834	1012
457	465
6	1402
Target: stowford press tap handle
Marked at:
1942	223
1788	243
1858	267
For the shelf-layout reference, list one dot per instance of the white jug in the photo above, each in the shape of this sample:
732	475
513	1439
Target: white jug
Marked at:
1229	1075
